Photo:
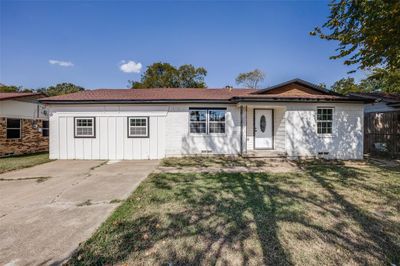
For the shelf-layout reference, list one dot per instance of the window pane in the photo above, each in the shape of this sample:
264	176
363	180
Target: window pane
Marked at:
217	127
13	123
45	132
45	124
198	115
138	131
198	128
13	133
217	115
138	122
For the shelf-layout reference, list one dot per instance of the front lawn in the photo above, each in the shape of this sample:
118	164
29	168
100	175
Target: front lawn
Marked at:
23	161
326	214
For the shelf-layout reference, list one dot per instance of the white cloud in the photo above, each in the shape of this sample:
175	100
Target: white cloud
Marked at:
61	63
130	66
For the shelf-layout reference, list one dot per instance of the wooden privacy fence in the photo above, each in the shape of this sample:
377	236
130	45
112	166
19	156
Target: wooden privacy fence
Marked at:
382	133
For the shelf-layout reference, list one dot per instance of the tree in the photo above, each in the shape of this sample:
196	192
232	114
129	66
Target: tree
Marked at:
368	32
5	88
383	80
380	80
345	86
250	79
60	89
164	75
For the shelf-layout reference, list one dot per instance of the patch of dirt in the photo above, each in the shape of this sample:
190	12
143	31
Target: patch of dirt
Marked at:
268	165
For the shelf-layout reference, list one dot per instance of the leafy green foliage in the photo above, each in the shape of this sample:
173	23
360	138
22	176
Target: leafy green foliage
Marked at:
368	32
60	89
380	80
250	79
345	86
165	75
5	88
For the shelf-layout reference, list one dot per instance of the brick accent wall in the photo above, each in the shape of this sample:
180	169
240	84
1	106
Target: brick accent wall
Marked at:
31	140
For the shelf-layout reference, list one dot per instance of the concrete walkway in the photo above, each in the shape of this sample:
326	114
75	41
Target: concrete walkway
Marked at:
47	210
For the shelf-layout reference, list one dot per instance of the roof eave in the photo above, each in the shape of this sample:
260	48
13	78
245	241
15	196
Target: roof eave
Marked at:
134	101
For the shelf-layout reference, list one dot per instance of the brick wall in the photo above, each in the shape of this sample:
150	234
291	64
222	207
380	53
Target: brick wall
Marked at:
31	140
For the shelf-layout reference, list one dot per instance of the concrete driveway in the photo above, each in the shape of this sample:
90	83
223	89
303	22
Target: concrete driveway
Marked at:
47	210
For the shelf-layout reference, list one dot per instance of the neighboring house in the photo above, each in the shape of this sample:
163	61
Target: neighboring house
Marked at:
380	102
24	126
382	123
294	119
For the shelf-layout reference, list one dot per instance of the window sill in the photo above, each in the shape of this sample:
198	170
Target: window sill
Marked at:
208	135
325	135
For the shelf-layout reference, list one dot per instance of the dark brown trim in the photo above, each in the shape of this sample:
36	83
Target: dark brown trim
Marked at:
94	127
148	128
272	125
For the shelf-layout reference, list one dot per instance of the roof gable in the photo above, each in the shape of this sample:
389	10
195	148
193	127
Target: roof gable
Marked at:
295	87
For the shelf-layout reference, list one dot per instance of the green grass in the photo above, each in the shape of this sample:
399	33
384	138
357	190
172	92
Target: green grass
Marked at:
328	214
23	161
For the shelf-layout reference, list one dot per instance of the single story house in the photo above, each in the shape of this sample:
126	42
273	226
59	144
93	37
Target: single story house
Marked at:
293	119
24	125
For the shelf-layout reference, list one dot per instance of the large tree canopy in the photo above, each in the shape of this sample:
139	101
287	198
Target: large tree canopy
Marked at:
368	32
164	75
60	89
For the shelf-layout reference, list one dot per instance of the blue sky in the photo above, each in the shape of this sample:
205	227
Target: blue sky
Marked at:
88	41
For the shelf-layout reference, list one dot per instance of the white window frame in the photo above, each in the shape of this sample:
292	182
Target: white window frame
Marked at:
215	122
14	128
93	126
325	121
147	127
207	121
199	122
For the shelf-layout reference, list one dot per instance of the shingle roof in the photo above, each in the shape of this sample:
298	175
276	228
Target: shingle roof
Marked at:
151	94
13	95
193	95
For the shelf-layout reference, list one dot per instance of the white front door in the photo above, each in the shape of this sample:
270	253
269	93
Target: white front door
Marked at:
263	123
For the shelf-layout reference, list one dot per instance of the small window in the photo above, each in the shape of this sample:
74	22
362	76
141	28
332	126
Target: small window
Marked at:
216	121
198	121
13	128
324	120
138	127
85	127
45	128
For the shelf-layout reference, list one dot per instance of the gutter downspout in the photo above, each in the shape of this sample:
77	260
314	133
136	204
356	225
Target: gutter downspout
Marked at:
241	130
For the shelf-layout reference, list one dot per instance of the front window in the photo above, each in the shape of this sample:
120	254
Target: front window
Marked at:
45	128
324	120
216	121
85	127
138	127
13	128
198	121
207	121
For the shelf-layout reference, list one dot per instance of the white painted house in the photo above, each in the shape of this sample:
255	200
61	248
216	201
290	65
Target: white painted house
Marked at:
294	119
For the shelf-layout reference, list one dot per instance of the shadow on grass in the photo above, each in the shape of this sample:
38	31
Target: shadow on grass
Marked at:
193	219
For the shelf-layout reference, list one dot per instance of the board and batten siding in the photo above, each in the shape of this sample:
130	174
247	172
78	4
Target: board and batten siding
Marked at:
111	141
